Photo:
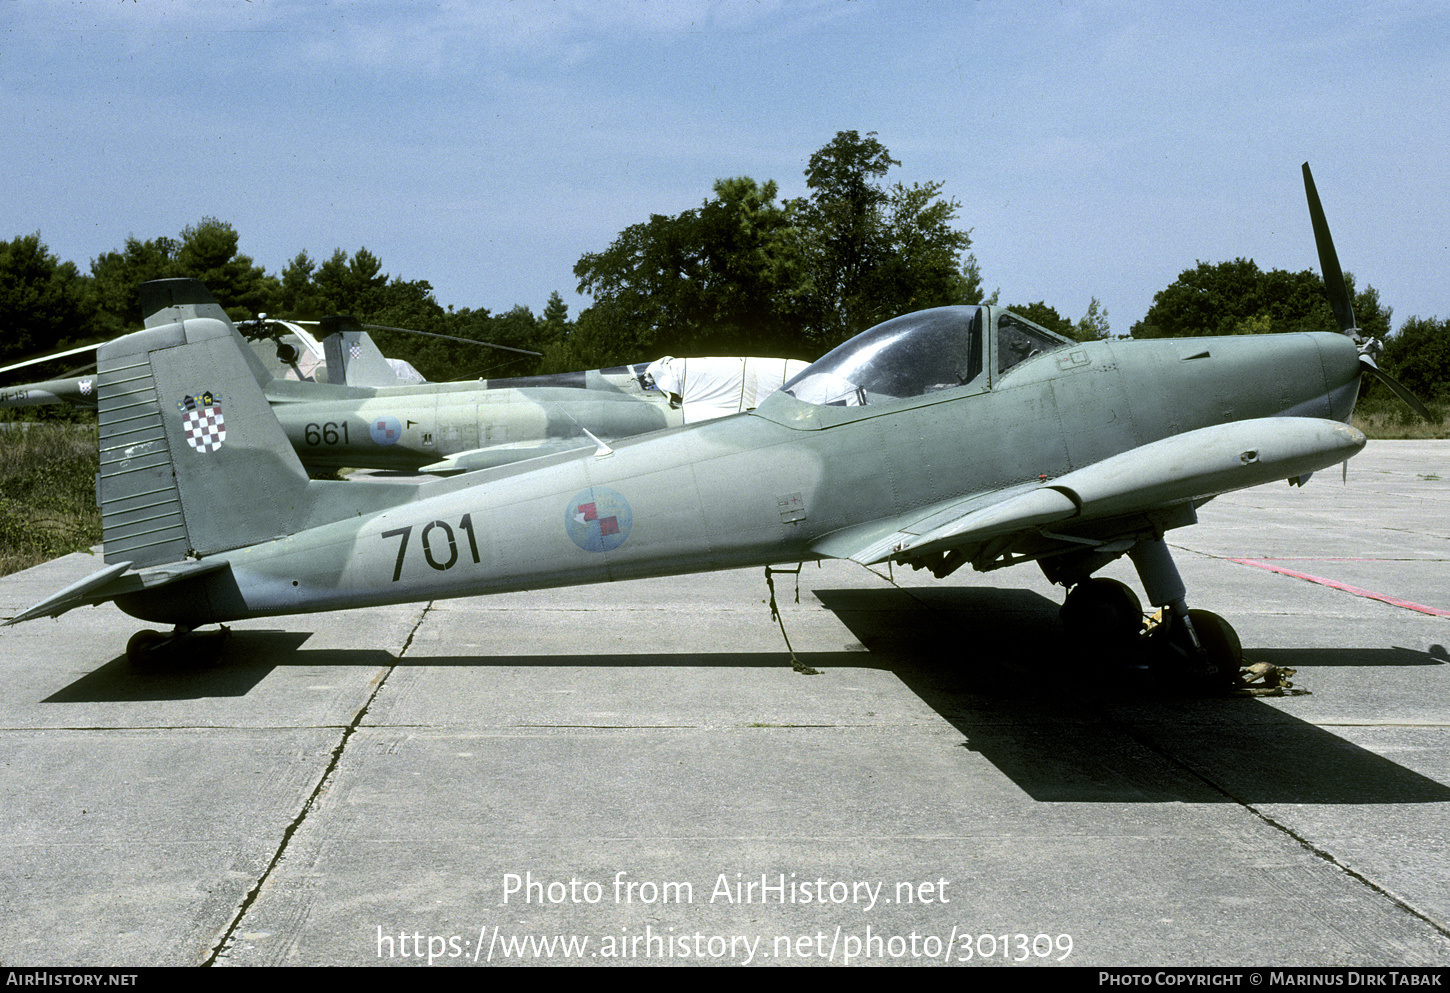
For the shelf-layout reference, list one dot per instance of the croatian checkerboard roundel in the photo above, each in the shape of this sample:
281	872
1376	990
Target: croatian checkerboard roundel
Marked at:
385	430
201	421
598	519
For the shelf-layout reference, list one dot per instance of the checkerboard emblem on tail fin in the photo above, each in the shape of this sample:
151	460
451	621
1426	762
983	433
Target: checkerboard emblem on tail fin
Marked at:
202	422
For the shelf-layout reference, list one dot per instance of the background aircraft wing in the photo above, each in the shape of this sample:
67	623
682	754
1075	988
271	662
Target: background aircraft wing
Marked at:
506	454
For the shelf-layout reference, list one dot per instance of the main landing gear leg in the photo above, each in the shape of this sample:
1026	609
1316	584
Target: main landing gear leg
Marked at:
1202	647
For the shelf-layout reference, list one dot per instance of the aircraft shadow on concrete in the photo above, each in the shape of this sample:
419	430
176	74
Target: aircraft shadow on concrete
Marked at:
992	662
212	664
996	664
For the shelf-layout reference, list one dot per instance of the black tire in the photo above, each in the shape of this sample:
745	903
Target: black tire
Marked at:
1102	612
1217	668
144	648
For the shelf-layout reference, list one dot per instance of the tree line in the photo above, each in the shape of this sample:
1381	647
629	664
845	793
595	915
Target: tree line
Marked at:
745	273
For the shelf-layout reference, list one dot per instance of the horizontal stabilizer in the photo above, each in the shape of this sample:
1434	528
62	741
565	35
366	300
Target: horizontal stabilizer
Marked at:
111	582
76	594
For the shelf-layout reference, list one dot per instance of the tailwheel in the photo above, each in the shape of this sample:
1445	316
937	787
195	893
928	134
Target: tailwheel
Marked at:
149	649
1103	611
146	648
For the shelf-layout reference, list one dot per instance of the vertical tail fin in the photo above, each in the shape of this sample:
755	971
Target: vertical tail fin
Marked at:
193	460
169	301
353	358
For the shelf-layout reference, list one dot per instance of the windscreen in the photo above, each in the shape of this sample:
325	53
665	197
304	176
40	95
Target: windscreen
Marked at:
907	356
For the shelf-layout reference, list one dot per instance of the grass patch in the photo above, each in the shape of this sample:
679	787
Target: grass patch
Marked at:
1386	418
47	493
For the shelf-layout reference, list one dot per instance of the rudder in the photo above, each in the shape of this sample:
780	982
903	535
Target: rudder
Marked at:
192	459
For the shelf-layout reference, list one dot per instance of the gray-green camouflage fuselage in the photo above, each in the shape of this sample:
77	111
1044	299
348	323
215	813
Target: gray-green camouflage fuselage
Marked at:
793	480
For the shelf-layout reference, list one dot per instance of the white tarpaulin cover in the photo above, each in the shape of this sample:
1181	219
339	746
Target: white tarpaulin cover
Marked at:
407	375
714	387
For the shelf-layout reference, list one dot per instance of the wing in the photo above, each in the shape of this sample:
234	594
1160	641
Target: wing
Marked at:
506	454
1104	501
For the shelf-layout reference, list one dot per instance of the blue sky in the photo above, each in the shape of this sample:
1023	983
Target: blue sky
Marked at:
1096	148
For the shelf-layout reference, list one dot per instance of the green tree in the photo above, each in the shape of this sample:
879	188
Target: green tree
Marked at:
300	299
356	285
745	274
344	285
602	336
840	227
556	324
208	252
1418	355
872	253
1093	325
724	277
516	328
45	304
118	277
1238	298
1044	316
1372	317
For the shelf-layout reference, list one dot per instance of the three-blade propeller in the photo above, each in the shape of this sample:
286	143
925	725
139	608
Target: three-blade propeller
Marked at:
1343	307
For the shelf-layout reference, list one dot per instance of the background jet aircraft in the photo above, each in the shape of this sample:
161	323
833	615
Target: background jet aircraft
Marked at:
962	435
367	416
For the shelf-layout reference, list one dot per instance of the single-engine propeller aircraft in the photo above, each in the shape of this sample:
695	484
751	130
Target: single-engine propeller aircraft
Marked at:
948	437
368	416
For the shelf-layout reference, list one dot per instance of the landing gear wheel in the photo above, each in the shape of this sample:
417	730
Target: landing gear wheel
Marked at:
1210	668
145	648
1216	668
1102	611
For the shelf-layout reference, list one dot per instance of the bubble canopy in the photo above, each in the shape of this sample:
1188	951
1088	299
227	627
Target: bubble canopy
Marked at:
920	353
908	356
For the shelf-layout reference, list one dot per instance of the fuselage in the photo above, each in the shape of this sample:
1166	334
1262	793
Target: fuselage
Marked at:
408	431
764	487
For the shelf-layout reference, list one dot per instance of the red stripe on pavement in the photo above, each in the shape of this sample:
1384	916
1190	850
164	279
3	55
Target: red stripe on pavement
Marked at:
1356	590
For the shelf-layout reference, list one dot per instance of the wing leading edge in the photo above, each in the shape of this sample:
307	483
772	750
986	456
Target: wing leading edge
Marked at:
1188	467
